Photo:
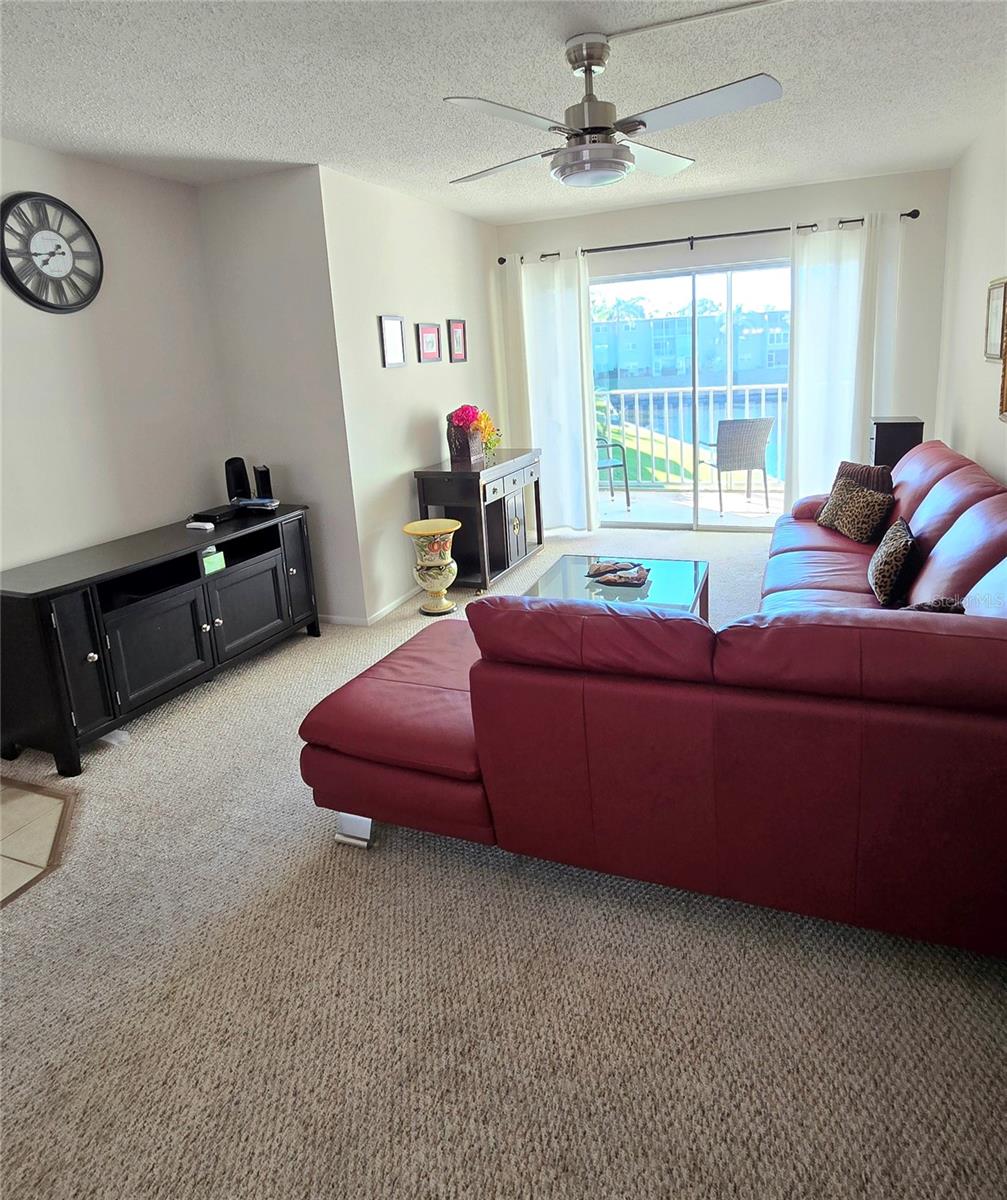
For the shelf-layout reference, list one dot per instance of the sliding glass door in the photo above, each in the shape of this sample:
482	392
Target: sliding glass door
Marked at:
691	374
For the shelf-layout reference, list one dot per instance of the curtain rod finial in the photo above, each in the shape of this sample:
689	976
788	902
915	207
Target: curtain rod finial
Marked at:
912	214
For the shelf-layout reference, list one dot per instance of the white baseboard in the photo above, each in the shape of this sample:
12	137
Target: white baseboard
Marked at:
336	619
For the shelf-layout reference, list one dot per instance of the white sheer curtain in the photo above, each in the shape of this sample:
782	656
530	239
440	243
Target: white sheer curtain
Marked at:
842	345
554	314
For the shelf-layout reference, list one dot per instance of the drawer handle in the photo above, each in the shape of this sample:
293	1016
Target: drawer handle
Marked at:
92	657
205	628
218	621
516	524
292	571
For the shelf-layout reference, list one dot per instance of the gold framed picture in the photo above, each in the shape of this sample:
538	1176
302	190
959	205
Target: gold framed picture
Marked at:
995	297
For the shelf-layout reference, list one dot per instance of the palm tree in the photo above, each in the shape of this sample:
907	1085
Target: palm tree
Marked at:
620	309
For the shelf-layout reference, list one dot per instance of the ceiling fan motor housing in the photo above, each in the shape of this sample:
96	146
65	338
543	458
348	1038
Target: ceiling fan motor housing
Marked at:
591	115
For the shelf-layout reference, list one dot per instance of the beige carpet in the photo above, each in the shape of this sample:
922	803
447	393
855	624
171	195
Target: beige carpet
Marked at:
210	998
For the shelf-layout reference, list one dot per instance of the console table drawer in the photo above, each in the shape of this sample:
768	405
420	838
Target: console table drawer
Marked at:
450	491
532	473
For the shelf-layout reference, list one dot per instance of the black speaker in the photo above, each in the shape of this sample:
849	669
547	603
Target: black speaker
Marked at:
236	474
263	484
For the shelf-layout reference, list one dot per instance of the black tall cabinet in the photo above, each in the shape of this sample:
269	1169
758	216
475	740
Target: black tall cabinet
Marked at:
92	638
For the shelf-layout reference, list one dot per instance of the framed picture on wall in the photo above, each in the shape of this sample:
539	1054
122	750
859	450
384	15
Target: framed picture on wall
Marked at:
995	295
428	342
1003	373
458	342
393	340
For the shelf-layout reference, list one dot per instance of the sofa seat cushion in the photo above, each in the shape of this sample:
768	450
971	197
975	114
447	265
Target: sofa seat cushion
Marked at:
416	799
833	570
410	710
970	549
795	599
791	533
917	471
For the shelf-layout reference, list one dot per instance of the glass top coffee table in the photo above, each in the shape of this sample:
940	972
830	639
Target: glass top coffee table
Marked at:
681	584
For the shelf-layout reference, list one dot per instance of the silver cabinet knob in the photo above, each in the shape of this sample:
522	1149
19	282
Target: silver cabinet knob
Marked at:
292	571
218	621
92	657
206	628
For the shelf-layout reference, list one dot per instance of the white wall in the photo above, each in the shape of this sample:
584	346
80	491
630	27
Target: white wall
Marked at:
390	253
111	417
917	354
976	253
264	243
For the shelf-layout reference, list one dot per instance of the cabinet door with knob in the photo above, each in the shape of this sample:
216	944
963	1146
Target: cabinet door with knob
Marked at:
298	567
517	535
80	646
157	644
248	604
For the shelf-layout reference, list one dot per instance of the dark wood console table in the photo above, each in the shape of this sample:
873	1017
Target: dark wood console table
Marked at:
490	502
95	637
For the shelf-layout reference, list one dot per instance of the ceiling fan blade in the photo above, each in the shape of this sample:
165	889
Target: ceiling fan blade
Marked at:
503	166
658	162
492	109
732	97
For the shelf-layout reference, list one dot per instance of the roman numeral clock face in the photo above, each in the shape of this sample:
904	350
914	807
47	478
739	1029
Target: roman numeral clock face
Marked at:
49	255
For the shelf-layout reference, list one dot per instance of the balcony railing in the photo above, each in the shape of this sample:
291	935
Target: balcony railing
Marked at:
655	426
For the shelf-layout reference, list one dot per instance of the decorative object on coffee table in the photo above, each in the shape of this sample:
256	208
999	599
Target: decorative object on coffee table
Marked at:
435	570
680	584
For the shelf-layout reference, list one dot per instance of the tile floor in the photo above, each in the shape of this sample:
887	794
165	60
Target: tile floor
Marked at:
29	824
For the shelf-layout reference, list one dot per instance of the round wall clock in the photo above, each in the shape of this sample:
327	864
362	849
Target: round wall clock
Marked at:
48	255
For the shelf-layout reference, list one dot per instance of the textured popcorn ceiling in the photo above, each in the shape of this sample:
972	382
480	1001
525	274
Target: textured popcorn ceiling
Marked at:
198	91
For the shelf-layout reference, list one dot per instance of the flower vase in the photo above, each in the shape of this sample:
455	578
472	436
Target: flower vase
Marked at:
435	570
465	447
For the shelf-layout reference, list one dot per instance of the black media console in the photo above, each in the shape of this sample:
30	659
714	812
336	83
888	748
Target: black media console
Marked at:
95	637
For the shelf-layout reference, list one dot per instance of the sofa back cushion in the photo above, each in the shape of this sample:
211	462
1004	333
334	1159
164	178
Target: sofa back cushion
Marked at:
988	598
931	659
946	501
582	635
917	471
973	545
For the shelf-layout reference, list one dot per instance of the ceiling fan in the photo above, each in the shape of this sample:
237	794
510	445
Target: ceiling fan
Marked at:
601	149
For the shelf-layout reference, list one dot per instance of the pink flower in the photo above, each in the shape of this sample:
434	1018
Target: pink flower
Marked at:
465	416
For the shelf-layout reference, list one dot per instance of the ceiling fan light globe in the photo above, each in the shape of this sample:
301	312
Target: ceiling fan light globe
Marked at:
597	165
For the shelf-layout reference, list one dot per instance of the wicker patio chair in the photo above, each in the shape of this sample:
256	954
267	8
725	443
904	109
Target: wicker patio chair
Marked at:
612	458
741	446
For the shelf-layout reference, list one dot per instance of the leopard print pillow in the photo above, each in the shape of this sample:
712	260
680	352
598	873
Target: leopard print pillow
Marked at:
855	511
886	572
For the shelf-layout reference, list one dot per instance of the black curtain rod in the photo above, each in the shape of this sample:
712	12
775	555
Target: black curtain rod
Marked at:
714	237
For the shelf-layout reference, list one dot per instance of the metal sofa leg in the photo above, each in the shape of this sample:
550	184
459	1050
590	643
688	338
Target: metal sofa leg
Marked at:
352	830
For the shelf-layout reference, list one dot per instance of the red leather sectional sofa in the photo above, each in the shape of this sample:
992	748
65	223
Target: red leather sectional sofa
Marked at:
824	756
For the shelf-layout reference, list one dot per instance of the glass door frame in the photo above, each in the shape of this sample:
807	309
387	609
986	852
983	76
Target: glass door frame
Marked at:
727	269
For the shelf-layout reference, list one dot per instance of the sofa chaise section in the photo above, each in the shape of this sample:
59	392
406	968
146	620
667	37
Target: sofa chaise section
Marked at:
396	743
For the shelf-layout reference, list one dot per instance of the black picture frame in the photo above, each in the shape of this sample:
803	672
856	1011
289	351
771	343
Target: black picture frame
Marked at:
423	327
387	322
453	324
